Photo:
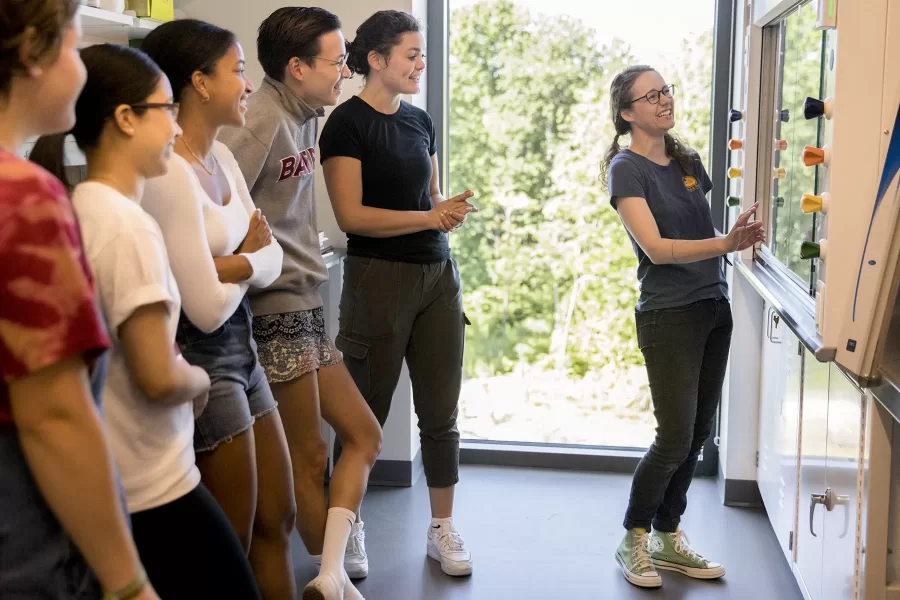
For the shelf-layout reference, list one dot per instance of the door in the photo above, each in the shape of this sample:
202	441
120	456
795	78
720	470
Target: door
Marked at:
813	453
844	442
780	427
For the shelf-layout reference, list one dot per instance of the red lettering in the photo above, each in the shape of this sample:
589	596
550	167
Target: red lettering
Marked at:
302	167
287	167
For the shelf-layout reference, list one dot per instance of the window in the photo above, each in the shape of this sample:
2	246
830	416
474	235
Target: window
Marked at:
547	267
804	69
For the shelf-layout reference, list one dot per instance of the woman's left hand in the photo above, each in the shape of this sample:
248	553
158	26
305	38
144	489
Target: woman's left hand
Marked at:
451	221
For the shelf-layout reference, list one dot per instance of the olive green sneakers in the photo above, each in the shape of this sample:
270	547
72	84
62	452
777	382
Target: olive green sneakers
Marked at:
633	556
671	552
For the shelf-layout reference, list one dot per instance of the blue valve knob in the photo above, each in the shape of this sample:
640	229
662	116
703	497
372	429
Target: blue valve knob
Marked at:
735	115
784	115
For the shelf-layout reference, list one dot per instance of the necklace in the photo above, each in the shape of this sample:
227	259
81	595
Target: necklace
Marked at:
202	164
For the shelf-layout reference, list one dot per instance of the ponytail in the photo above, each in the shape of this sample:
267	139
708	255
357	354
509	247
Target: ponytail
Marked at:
49	153
611	153
677	151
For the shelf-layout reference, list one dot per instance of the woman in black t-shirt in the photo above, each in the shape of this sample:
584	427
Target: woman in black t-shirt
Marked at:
684	324
402	296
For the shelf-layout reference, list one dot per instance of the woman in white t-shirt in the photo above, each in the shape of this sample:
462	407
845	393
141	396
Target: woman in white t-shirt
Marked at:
220	245
126	125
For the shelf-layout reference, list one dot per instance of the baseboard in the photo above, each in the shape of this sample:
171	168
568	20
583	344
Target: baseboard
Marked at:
539	456
742	493
397	473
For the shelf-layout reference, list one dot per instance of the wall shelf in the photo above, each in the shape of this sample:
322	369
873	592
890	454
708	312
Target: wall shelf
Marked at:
96	22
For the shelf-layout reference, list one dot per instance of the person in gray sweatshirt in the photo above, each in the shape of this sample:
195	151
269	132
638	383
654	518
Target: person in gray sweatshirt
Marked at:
303	54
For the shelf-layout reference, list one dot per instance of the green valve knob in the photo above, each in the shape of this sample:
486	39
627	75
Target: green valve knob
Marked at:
734	201
810	250
779	202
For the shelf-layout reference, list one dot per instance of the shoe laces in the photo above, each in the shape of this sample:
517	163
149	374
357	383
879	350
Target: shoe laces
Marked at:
357	541
644	544
682	546
451	541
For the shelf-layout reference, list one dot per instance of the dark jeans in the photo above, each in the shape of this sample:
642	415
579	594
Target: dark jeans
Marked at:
391	311
190	550
38	560
686	352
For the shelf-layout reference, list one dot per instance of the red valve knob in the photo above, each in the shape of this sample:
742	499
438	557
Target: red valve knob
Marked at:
781	145
735	144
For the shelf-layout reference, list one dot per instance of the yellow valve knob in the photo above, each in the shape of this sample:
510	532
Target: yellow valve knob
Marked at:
811	203
780	173
734	172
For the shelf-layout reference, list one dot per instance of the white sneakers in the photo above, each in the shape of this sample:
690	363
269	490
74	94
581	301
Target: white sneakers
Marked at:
356	561
446	546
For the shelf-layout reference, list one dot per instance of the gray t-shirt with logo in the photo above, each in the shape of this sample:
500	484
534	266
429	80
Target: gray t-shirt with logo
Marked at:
678	202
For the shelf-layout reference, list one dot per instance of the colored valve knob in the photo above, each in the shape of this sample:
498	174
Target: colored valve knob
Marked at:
735	144
781	145
812	156
784	115
734	172
734	201
779	202
735	115
813	108
780	173
811	203
810	250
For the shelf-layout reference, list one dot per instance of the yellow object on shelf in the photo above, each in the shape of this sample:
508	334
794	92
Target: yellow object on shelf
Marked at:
159	10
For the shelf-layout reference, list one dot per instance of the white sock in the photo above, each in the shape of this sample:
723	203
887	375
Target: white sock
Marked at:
337	531
317	559
444	523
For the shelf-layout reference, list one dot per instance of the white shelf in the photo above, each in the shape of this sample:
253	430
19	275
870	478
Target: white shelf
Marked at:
96	22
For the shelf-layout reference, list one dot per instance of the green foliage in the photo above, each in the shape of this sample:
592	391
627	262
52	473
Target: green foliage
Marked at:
547	268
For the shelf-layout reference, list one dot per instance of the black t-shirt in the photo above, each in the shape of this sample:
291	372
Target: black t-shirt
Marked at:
395	152
677	201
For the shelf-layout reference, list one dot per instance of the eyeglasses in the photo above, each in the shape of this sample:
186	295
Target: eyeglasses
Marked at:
653	95
172	107
340	64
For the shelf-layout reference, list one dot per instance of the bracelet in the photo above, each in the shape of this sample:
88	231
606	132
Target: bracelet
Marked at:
131	590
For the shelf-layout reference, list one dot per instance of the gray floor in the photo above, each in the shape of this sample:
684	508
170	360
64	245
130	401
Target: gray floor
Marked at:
550	534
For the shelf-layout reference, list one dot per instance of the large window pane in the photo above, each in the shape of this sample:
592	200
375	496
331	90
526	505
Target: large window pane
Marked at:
547	268
801	68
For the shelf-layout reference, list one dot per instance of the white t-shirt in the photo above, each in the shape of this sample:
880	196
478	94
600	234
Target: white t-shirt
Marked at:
196	229
153	443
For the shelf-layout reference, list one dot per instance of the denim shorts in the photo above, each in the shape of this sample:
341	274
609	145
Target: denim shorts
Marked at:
240	393
37	558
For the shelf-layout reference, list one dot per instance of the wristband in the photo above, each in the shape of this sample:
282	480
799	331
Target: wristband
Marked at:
131	590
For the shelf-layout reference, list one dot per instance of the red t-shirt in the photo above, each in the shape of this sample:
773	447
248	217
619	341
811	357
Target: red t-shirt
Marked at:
47	310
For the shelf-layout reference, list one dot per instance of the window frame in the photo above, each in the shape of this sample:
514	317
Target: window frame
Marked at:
607	459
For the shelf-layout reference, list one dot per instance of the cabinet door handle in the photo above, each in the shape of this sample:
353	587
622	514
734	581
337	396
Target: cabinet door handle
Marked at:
815	499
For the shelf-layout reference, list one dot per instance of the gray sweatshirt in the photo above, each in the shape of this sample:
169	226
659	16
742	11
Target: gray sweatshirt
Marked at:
276	151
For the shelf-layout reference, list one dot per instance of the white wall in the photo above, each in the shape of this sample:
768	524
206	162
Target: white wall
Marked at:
740	403
401	437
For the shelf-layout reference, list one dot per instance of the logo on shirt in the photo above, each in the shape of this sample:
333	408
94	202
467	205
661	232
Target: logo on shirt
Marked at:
297	166
691	183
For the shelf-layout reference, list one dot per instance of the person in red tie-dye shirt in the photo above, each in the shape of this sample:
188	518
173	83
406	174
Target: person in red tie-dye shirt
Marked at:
65	532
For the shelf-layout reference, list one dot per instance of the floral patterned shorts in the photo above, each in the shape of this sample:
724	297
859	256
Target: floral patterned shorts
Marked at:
294	344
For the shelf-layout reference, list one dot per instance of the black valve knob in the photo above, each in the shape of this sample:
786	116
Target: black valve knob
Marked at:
779	202
735	115
813	108
784	115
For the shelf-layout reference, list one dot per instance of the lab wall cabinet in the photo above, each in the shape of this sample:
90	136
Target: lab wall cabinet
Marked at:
812	468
